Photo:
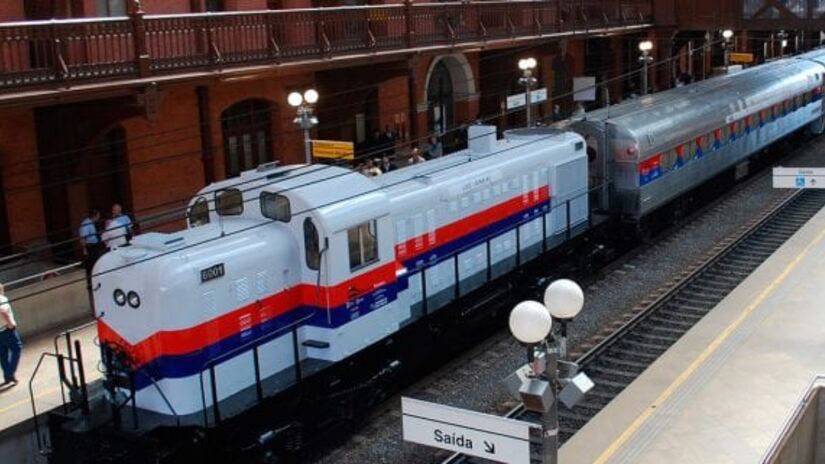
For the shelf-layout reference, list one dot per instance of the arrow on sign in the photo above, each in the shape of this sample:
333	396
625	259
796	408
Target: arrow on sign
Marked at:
489	447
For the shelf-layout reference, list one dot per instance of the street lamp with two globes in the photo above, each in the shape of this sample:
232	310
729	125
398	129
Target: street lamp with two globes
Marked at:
537	384
727	34
645	47
305	119
527	65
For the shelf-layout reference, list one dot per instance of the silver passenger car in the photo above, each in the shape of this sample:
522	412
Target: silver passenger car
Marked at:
659	146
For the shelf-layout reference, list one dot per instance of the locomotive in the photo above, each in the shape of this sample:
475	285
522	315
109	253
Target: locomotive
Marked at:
314	281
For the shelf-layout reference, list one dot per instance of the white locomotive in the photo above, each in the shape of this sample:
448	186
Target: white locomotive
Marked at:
303	266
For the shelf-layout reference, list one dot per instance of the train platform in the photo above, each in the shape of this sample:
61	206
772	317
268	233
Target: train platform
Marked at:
726	391
15	402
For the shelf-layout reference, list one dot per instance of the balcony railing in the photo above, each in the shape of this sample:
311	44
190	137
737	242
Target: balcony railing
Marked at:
62	52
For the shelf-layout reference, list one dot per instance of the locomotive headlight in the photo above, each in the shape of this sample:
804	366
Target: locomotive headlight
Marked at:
134	300
120	297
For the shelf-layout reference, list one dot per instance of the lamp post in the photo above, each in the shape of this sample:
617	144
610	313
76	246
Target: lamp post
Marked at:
527	65
645	47
305	119
537	384
727	34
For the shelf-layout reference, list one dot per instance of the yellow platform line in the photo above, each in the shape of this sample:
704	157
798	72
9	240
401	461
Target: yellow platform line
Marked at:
37	396
730	329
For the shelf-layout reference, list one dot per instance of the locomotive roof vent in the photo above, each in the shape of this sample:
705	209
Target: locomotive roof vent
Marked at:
531	133
159	241
482	139
267	166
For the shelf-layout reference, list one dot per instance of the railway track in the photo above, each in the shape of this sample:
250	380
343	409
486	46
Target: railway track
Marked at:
653	327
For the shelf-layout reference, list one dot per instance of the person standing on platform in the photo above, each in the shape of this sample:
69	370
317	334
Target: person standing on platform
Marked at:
90	239
387	164
11	346
556	115
121	226
434	148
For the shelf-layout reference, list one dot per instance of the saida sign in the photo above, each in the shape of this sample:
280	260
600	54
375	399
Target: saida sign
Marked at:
490	437
333	149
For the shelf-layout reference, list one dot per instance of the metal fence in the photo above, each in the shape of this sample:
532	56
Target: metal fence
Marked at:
138	45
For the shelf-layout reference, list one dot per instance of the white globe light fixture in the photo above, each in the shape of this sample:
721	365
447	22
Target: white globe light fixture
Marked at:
530	322
295	99
727	34
564	299
645	46
311	96
527	63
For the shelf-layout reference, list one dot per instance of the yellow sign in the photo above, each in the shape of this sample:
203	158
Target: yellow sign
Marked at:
333	149
741	57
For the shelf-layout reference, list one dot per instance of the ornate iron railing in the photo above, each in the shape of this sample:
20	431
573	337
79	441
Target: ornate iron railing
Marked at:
61	52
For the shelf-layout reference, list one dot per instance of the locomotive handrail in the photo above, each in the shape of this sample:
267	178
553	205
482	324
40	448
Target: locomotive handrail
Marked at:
61	359
67	334
162	395
212	363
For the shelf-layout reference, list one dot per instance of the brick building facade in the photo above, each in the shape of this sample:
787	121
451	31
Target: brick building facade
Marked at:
152	140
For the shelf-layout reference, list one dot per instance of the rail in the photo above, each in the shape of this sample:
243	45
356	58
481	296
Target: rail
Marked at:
61	52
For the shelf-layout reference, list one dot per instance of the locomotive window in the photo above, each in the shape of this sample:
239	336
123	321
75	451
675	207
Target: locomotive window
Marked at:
312	245
363	246
275	206
199	213
229	202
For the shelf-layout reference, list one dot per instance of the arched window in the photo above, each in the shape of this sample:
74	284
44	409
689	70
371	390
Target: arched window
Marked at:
440	99
247	135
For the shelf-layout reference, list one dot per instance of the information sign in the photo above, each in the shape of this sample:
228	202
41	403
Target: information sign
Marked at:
472	433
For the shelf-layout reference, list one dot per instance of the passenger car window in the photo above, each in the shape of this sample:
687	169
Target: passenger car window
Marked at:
275	206
229	202
691	151
312	245
668	160
199	213
363	245
706	142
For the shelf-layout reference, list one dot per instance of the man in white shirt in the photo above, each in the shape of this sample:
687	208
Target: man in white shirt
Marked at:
118	229
11	346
